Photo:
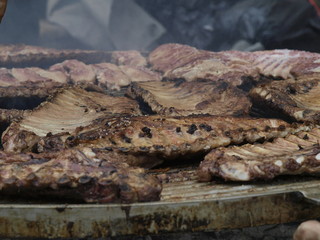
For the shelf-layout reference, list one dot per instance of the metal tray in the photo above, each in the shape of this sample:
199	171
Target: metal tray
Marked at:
186	205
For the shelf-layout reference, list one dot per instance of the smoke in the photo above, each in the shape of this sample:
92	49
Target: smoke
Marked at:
143	24
89	24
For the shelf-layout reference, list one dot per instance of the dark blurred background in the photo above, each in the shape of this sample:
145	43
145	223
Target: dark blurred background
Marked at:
143	24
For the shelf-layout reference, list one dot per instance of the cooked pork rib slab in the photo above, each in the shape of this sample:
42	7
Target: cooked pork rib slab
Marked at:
18	85
286	64
81	175
157	136
182	98
298	100
293	155
29	56
67	110
181	61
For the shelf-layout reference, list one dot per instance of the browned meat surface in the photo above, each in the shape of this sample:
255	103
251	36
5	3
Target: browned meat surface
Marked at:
182	98
298	100
80	175
177	136
129	58
170	56
177	61
67	110
286	64
295	154
154	136
181	61
27	56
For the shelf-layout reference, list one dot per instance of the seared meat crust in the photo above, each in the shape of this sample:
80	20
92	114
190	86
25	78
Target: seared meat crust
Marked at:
178	136
168	137
81	175
293	155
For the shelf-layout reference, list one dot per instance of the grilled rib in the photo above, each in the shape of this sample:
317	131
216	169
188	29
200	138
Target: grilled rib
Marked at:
296	99
154	136
178	61
293	155
286	64
78	175
64	112
182	98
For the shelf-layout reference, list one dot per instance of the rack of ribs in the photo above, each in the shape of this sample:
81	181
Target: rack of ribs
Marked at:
167	137
298	100
76	175
181	98
293	155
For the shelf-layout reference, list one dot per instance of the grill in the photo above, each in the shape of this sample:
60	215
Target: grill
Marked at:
185	206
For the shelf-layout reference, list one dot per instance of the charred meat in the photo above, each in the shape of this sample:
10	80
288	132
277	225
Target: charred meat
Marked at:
168	137
79	175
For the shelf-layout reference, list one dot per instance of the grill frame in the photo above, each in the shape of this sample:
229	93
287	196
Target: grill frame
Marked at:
185	206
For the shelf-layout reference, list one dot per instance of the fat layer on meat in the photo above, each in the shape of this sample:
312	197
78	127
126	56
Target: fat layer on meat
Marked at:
182	98
67	110
80	175
296	99
293	155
